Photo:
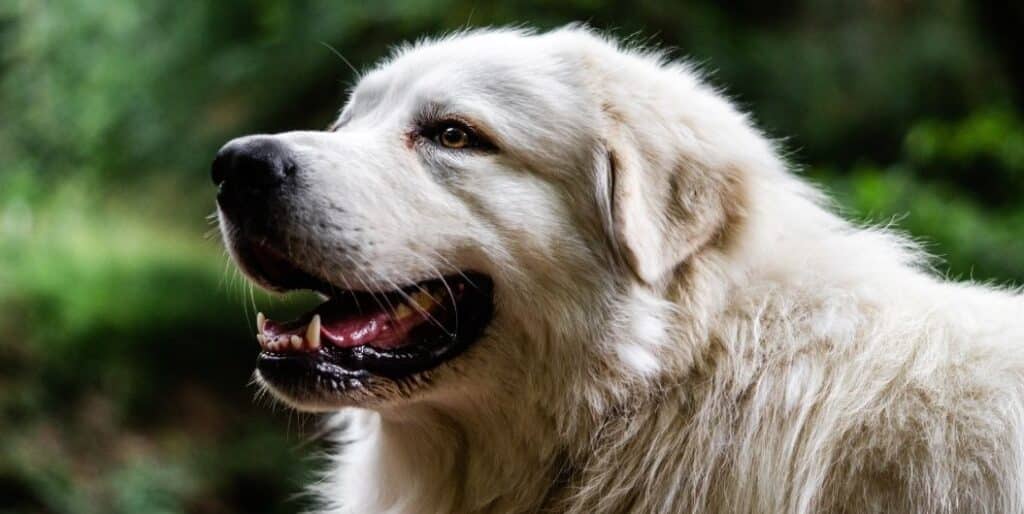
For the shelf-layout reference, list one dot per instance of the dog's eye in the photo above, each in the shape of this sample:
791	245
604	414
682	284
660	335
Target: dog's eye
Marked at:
454	137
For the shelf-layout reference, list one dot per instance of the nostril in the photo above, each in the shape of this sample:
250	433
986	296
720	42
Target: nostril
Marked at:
290	168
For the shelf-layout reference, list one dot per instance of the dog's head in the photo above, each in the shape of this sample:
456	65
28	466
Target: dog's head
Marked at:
481	216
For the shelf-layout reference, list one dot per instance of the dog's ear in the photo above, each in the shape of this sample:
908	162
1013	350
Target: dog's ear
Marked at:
674	155
664	204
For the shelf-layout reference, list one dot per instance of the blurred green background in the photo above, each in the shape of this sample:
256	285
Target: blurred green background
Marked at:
125	338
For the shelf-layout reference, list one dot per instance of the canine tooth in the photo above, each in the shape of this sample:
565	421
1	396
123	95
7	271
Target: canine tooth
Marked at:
313	332
261	322
296	342
262	340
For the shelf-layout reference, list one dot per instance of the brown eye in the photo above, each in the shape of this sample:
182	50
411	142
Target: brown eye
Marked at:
454	137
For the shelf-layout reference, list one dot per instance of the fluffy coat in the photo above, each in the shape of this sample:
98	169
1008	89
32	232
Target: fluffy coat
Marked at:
683	325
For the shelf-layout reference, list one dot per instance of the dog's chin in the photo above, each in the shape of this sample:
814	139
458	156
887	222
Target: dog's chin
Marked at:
372	392
361	348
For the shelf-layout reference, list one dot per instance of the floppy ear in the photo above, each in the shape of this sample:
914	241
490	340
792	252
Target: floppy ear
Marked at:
665	204
673	158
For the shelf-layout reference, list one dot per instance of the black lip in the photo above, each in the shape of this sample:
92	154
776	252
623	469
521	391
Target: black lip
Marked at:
331	369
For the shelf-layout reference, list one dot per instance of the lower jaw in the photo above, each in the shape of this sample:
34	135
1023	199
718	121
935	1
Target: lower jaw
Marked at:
302	378
311	384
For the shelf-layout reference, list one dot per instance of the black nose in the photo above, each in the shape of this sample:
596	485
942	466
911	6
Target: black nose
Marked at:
250	169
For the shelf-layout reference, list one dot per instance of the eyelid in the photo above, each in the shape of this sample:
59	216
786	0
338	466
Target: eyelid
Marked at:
432	129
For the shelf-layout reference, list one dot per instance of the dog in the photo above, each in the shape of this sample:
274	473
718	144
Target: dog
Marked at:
563	274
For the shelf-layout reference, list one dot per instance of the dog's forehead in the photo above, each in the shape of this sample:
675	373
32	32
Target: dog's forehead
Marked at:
525	90
481	66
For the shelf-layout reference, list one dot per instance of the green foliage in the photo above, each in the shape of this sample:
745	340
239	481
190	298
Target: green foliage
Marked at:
125	339
124	360
957	188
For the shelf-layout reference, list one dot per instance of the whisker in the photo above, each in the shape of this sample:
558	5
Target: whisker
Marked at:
408	299
343	59
423	290
348	287
394	311
451	266
252	303
238	283
226	272
444	281
373	294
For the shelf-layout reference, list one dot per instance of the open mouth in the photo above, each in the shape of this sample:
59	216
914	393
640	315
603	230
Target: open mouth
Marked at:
356	336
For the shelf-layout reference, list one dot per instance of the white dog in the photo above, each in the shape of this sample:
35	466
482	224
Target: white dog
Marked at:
562	275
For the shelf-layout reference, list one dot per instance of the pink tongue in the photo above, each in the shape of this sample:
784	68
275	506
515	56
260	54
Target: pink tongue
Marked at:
347	330
346	325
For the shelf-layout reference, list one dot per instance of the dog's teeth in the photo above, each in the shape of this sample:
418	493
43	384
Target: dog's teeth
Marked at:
402	311
261	322
262	340
423	299
296	343
313	332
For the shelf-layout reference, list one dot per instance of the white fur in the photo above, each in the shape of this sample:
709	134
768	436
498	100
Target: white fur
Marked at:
682	324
